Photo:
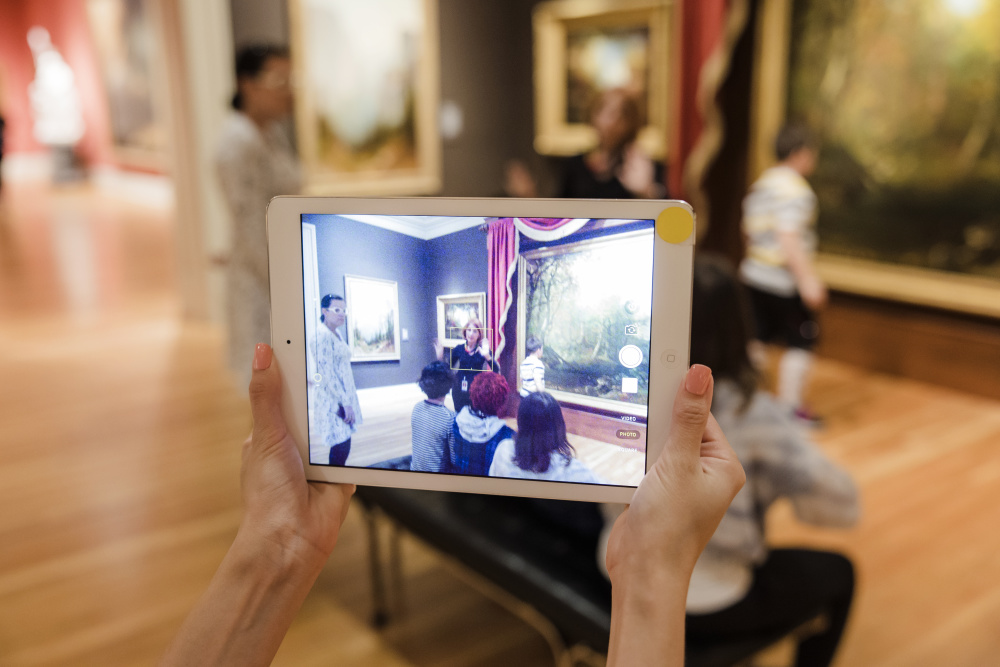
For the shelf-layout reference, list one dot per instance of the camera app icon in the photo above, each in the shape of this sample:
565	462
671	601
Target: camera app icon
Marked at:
631	330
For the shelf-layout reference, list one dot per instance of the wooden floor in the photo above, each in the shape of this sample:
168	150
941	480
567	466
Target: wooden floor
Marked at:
119	457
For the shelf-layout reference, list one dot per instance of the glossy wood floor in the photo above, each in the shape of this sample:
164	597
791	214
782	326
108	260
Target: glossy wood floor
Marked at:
119	455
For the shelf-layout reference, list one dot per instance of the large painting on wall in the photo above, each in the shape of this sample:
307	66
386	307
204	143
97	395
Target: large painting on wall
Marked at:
372	318
905	98
127	42
366	106
584	319
585	48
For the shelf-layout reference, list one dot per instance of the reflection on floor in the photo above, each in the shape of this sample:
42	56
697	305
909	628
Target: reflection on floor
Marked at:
386	434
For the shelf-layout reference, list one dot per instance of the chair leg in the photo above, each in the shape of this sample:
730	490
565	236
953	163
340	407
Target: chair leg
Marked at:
396	569
380	607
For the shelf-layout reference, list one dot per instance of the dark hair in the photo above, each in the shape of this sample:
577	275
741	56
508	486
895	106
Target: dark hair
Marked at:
720	323
791	139
325	303
436	379
250	62
488	393
541	430
532	345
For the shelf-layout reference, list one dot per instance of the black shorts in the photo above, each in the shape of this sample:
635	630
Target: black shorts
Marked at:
783	319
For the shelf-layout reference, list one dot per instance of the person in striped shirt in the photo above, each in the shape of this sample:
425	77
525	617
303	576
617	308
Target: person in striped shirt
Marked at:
432	420
532	368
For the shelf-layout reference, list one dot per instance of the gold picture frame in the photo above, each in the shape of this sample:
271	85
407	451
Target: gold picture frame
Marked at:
367	77
449	331
896	282
373	328
574	30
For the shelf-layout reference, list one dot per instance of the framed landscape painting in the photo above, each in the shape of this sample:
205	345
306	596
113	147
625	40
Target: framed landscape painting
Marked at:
372	318
454	311
908	178
128	47
584	48
367	97
585	318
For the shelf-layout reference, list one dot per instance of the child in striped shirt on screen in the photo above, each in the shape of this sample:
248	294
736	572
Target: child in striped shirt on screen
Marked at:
432	420
532	368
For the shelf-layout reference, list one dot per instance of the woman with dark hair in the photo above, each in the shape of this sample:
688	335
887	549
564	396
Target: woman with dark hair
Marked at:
336	412
467	361
254	162
540	449
478	431
617	168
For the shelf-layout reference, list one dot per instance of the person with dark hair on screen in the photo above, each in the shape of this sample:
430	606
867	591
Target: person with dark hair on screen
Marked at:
254	162
740	587
467	361
337	412
290	527
617	168
478	431
540	449
431	421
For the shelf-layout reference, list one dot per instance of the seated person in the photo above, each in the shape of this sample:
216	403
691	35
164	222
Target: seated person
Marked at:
540	450
432	421
532	368
478	431
740	587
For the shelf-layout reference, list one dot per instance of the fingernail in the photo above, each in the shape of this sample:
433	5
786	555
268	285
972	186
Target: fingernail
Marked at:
697	379
262	357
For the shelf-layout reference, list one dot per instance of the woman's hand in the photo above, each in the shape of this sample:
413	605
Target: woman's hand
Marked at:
683	497
301	520
289	529
438	349
637	172
655	543
348	414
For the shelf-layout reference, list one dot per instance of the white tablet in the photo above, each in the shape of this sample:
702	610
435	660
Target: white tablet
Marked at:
527	347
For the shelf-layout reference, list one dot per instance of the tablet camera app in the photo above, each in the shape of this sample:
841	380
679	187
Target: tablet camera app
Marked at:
502	347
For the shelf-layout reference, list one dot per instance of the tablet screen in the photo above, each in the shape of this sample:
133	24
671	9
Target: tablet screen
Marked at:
504	347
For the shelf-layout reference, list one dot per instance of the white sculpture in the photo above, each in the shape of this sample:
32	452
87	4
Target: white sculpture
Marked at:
55	103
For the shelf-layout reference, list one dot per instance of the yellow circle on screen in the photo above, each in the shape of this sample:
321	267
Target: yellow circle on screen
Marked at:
674	224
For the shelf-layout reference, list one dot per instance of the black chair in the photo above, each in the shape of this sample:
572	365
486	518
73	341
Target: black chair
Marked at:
526	557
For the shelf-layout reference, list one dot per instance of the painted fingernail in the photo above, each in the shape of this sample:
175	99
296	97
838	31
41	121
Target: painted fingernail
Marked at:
697	379
262	357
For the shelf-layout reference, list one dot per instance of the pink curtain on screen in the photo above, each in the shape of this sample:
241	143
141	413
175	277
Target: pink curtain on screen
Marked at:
502	242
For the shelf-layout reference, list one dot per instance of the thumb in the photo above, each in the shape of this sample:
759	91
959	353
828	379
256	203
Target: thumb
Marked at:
265	394
692	407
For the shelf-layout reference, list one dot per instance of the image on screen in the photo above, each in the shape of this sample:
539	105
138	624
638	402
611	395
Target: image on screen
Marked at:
495	347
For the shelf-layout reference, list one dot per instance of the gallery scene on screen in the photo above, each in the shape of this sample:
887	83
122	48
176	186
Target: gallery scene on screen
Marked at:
503	347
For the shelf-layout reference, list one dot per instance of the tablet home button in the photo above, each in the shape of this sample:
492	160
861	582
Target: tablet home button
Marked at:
669	357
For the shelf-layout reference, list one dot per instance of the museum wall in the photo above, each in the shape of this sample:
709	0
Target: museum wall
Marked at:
463	255
486	70
354	248
66	21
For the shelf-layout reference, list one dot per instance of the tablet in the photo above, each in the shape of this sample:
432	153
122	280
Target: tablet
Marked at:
527	347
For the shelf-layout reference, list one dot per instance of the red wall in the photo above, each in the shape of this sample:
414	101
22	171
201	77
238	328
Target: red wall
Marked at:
66	21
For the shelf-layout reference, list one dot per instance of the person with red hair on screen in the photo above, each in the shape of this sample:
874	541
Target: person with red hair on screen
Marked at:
478	430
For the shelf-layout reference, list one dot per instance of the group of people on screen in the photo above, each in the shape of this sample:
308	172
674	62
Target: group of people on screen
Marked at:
473	439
